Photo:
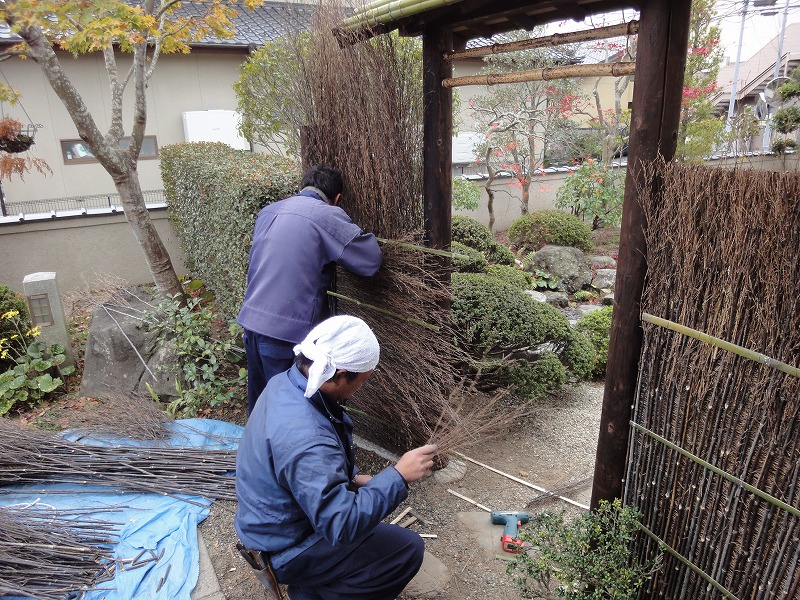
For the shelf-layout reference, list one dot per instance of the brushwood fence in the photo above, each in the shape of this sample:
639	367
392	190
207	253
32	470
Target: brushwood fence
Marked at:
714	461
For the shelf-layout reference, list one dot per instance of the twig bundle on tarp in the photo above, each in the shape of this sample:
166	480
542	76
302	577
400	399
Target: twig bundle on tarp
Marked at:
136	417
28	456
50	554
722	254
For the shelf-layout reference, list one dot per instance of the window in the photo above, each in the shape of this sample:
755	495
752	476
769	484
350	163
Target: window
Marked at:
76	151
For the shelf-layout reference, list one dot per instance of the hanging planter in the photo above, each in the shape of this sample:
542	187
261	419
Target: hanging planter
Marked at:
12	138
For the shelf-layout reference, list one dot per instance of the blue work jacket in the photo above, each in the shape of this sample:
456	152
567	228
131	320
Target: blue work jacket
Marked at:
297	243
293	472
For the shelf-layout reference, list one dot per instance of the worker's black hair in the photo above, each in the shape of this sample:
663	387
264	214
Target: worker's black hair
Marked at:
324	178
304	364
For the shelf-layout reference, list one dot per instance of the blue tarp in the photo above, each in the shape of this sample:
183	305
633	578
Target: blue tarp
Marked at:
145	521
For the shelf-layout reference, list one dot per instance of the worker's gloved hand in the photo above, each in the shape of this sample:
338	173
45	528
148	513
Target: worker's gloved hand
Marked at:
416	463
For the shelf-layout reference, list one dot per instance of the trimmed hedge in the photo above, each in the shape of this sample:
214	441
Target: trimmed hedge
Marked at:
495	319
516	277
532	231
596	326
471	232
468	260
214	194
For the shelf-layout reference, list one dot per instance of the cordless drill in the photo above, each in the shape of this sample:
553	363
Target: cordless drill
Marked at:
510	540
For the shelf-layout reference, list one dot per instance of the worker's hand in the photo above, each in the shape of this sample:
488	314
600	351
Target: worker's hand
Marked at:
416	463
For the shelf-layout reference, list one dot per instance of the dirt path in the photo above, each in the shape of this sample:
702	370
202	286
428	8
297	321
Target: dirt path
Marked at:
551	449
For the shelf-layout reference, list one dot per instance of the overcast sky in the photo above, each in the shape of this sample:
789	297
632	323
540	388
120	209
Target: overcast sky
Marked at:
758	29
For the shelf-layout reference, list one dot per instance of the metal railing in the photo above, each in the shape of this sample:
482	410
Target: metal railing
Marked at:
76	203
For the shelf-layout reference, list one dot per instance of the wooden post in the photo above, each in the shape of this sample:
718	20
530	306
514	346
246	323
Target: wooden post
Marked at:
437	177
660	64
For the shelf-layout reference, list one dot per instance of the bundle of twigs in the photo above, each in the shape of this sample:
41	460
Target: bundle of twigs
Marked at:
28	456
134	417
50	554
722	259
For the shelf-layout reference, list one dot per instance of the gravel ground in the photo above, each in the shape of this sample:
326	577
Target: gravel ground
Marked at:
553	448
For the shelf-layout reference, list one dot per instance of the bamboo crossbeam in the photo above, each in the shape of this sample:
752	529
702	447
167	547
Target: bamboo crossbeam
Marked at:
666	547
618	69
523	482
724	474
557	39
383	12
435	251
384	311
722	344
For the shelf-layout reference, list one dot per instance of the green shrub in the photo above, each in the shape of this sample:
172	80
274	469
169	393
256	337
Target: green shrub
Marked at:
206	357
593	192
466	259
471	232
532	231
498	254
501	327
33	370
516	277
596	326
588	558
465	194
214	194
11	301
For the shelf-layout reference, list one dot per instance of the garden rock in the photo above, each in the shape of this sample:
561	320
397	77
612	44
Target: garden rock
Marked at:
600	261
568	265
557	299
536	295
607	300
117	349
604	279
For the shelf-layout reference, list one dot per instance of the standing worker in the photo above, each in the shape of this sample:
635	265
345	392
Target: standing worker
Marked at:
297	243
304	511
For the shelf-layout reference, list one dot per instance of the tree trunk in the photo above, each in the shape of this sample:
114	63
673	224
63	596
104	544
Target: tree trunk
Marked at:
489	190
526	196
138	216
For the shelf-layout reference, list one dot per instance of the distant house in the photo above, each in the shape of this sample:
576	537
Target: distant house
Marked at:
755	73
190	98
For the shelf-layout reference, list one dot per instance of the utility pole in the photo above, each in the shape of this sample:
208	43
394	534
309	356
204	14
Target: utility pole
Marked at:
765	143
735	83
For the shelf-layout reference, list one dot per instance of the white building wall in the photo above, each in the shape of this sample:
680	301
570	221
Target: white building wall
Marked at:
202	80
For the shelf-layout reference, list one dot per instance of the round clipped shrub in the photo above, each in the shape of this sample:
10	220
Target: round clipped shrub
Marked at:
11	301
466	259
516	277
508	334
596	327
498	254
471	232
532	231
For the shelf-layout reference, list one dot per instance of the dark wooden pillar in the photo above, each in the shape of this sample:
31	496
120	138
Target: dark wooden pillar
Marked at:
437	175
660	63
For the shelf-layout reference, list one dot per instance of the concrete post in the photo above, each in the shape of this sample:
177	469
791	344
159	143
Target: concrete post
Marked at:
44	305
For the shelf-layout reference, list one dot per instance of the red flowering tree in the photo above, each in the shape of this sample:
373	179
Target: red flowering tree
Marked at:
700	129
520	120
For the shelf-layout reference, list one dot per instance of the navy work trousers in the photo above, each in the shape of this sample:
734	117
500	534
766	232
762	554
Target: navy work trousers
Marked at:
266	357
375	568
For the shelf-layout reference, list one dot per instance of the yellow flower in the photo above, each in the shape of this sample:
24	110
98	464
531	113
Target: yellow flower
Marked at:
4	353
10	314
34	331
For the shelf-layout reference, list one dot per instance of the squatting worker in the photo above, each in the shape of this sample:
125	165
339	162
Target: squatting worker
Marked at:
297	243
301	500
